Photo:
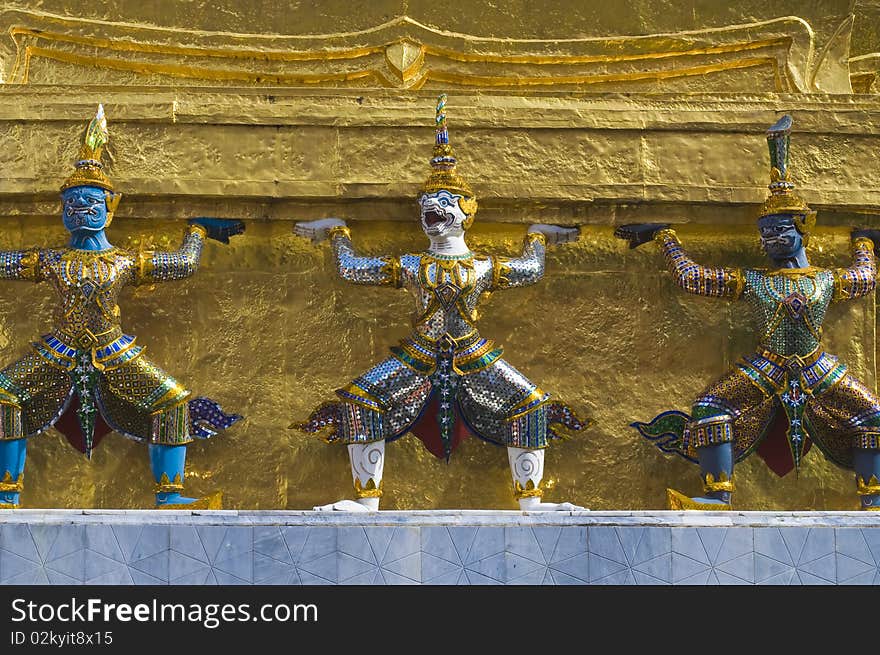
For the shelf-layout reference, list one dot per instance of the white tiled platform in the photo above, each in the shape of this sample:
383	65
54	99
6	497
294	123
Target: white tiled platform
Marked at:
438	547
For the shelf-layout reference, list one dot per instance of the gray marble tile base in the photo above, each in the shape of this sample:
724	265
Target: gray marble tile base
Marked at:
438	548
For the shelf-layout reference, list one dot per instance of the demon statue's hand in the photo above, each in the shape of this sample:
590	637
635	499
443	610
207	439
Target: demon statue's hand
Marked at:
638	233
317	230
219	229
555	234
873	235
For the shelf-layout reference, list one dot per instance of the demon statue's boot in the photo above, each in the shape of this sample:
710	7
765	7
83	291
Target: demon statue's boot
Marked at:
716	470
444	381
367	464
866	462
790	393
12	457
86	377
168	463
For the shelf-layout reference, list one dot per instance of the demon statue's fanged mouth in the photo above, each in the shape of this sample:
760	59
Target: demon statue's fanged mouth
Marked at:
441	213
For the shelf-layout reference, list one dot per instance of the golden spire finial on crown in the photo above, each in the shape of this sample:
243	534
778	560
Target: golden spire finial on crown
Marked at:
782	198
443	174
88	169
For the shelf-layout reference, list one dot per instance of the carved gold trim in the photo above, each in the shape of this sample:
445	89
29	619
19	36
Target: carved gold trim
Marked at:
661	235
535	236
339	231
368	490
522	407
196	72
391	268
500	269
195	228
10	400
171	399
8	484
678	501
353	392
738	281
29	263
166	486
604	78
144	265
862	242
531	490
723	483
405	53
114	355
869	488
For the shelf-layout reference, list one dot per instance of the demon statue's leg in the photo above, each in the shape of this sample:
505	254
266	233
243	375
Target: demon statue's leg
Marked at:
13	453
716	470
168	463
367	464
866	462
527	468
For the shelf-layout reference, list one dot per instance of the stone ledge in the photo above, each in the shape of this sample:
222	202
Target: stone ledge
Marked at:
437	547
479	518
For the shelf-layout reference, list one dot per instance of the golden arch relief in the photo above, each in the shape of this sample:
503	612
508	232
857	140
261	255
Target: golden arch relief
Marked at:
773	55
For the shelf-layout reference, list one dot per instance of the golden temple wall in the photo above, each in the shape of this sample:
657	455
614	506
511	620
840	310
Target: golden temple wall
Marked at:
580	116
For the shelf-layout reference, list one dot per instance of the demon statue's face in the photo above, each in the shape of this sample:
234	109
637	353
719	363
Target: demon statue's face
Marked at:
84	208
441	214
780	237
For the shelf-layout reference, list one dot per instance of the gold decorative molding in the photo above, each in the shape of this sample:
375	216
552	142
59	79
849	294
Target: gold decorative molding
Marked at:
530	490
253	154
368	490
10	484
829	74
722	483
863	72
403	53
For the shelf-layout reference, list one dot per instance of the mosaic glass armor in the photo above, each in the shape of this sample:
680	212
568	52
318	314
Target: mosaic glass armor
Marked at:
86	377
86	359
444	380
790	393
444	357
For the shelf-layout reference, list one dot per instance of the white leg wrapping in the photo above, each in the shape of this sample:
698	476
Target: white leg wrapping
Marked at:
527	469
367	465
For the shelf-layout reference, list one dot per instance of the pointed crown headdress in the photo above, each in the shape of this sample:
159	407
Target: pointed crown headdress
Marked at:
782	198
88	169
443	174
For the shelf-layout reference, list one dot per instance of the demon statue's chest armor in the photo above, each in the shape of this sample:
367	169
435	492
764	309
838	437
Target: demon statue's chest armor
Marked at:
789	308
88	284
447	291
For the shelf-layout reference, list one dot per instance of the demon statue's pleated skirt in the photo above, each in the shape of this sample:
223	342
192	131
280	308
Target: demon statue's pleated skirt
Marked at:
776	407
441	404
87	393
